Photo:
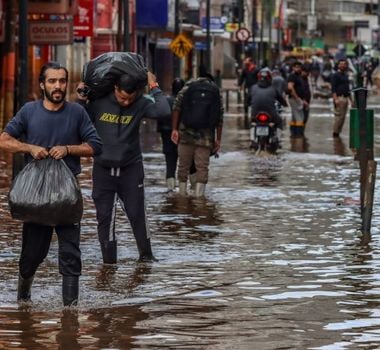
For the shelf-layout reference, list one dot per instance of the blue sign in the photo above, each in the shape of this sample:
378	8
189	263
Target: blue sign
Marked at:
200	45
216	25
151	13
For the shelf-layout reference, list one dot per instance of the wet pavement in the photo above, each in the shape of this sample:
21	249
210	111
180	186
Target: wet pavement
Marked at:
273	258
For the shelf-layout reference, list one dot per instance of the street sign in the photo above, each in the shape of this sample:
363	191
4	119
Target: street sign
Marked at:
181	45
216	24
231	27
223	19
311	23
243	34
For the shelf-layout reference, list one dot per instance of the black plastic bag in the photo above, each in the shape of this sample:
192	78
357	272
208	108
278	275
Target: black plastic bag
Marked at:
101	73
46	192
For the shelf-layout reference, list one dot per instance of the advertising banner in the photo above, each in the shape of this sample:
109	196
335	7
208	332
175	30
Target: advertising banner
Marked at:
84	20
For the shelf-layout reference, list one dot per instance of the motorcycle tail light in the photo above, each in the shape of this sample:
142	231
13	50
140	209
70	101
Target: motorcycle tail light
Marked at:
262	117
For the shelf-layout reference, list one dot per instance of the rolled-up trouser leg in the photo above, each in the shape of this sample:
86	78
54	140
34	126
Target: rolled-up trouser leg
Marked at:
202	161
185	160
340	112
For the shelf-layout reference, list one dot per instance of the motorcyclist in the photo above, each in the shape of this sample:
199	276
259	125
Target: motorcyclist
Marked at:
264	96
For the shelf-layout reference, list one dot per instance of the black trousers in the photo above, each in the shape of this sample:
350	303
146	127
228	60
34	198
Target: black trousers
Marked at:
169	148
127	185
35	247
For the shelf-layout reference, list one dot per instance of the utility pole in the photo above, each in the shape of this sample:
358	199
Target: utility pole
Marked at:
176	60
261	56
279	30
253	29
126	26
208	38
241	20
23	53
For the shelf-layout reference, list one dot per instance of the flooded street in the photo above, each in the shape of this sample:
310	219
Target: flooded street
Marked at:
273	258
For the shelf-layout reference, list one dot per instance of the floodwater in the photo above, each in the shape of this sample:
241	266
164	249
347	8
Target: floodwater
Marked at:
273	258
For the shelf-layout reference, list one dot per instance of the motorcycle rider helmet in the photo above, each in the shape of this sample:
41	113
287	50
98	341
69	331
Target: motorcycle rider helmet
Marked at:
264	75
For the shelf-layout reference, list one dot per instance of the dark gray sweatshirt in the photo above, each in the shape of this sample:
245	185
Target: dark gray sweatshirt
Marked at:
118	127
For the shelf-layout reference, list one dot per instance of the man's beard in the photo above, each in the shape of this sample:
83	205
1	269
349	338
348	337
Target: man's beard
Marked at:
53	99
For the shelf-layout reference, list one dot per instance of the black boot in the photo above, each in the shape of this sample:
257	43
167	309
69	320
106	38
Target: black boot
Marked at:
24	288
109	251
145	249
70	290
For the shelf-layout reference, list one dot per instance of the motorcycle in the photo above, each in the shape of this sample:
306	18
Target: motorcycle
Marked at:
263	134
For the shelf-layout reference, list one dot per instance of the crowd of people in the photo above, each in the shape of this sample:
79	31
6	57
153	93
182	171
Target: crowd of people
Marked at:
298	81
190	121
107	128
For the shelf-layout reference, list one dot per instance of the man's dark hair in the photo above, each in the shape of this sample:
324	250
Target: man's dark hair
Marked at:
51	65
207	75
177	85
129	84
297	63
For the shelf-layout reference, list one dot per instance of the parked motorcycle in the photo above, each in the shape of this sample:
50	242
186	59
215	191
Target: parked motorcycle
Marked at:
263	134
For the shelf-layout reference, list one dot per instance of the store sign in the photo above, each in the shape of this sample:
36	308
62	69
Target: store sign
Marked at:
51	32
84	19
53	6
216	24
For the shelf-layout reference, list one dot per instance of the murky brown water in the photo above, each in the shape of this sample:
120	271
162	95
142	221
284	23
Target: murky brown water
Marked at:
272	259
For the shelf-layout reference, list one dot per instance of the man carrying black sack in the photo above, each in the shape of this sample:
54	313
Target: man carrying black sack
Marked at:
197	114
118	173
61	130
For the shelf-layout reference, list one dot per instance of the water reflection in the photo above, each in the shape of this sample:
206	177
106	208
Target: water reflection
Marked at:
340	147
68	335
115	328
196	218
299	144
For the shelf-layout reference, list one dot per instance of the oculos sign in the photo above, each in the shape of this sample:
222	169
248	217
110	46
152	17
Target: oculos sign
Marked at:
58	32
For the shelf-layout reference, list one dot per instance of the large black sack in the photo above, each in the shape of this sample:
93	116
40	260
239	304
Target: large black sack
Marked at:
101	73
46	192
201	105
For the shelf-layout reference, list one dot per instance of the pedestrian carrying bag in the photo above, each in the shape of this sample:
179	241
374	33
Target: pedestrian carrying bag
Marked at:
201	105
46	192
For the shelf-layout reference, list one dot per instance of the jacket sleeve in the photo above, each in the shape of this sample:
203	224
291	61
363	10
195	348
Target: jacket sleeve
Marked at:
89	134
160	108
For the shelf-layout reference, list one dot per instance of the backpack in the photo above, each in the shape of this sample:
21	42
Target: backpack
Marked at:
201	105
